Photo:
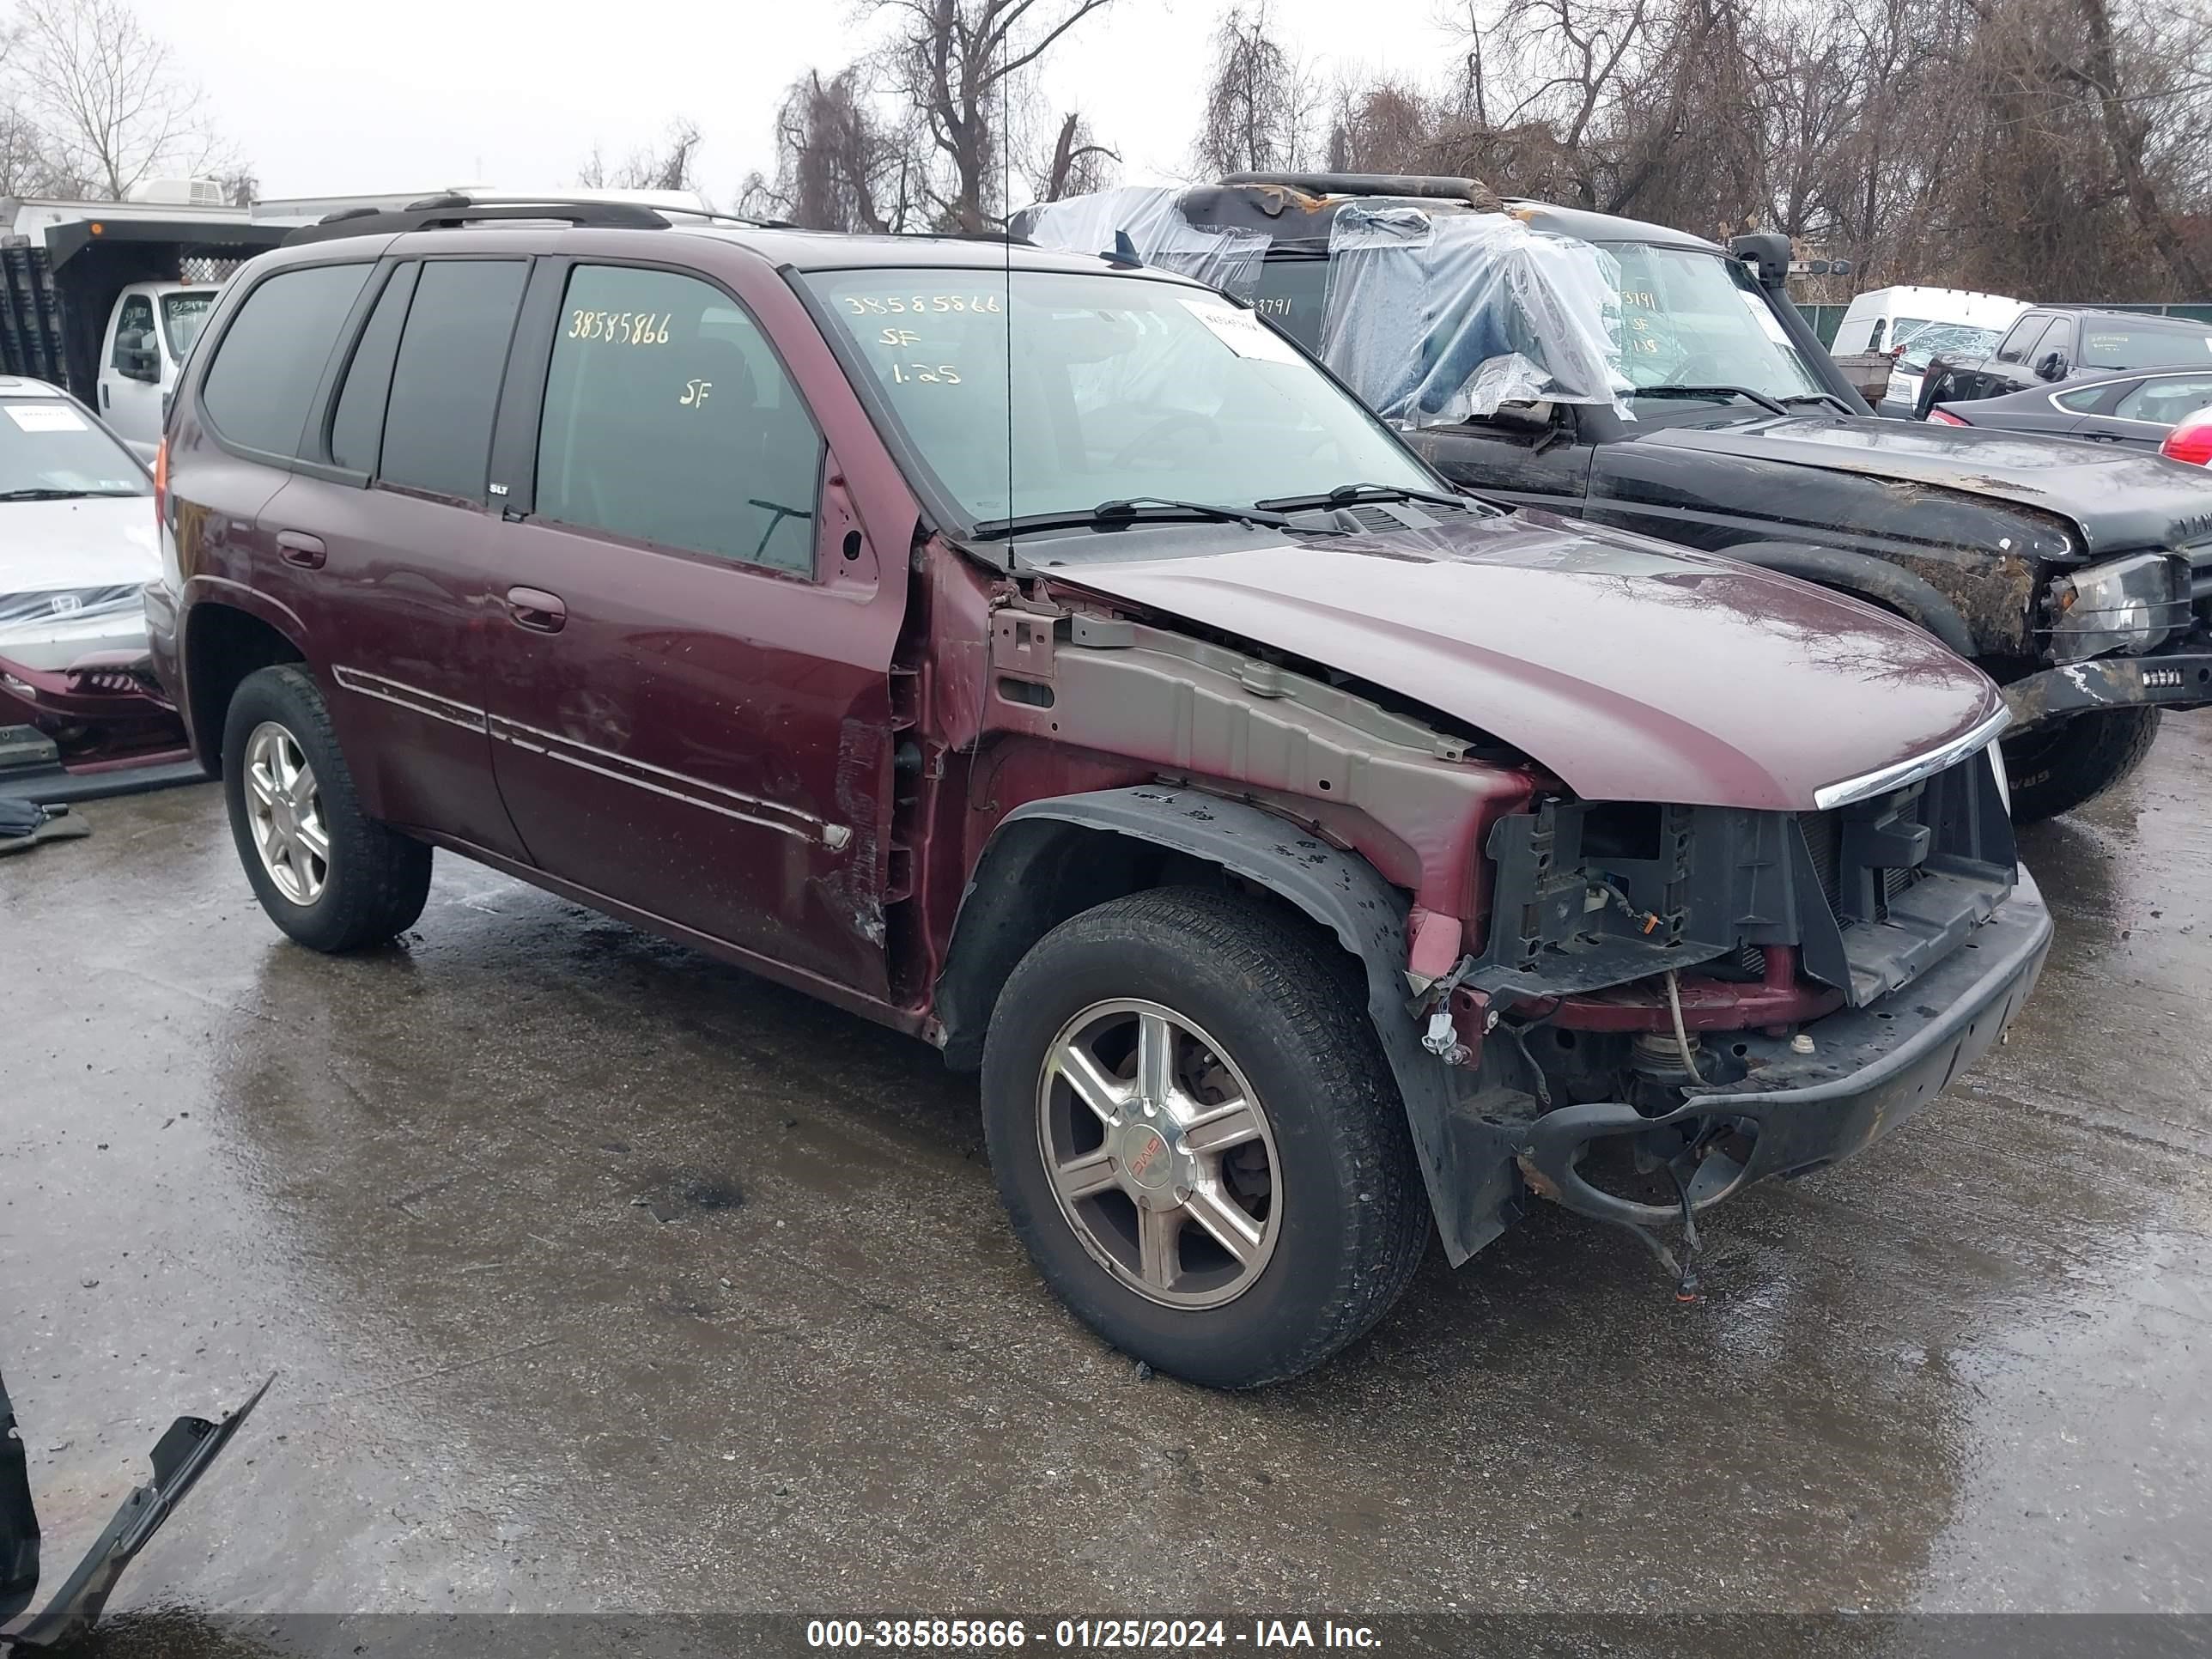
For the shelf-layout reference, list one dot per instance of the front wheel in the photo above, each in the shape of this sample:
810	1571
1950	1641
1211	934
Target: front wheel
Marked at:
2058	767
329	875
1197	1138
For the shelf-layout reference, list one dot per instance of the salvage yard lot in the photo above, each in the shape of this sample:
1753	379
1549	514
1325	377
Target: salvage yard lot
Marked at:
599	1275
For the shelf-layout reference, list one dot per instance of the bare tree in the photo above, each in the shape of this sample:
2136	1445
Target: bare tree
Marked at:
1382	127
2127	128
241	186
672	166
1260	103
103	93
841	165
960	65
1075	165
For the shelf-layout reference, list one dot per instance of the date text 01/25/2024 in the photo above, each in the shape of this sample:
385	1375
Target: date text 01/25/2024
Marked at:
1008	1635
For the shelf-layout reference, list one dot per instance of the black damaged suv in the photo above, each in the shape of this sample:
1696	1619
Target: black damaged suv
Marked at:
2079	576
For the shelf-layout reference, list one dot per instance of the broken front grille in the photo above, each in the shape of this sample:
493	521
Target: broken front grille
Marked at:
1821	842
1848	900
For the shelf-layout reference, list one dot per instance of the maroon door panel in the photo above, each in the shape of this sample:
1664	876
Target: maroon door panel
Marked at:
689	679
730	771
402	604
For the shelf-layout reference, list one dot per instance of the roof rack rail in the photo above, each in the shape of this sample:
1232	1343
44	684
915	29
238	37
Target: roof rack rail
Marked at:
450	211
1439	188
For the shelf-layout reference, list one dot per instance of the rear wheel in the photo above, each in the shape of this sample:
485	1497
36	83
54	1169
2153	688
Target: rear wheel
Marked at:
2059	768
1197	1137
330	876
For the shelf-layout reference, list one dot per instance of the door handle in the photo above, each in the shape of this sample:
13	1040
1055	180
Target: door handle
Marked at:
535	609
103	394
297	547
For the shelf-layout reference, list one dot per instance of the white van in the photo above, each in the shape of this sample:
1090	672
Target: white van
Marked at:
150	334
1916	324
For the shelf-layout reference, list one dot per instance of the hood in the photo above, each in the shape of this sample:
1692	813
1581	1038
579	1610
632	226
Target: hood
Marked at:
98	541
2118	500
1632	670
70	573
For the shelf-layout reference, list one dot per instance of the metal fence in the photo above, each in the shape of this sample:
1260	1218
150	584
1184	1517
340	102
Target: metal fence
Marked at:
1827	319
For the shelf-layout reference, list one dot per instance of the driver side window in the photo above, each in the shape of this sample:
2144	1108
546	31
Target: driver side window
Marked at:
134	331
2022	335
668	419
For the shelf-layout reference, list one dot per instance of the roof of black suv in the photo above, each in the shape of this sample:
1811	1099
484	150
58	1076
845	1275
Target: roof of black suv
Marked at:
1296	208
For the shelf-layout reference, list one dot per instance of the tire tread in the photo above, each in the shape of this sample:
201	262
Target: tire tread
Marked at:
1265	958
379	878
2095	752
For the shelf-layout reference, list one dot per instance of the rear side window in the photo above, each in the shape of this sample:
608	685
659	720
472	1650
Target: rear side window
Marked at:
357	424
445	381
2083	401
668	419
266	366
2164	401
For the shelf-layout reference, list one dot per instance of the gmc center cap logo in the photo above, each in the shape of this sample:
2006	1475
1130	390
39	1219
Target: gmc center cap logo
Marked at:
1148	1154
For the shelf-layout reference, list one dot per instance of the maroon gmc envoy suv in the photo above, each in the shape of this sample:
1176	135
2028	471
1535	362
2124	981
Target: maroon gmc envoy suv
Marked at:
1038	653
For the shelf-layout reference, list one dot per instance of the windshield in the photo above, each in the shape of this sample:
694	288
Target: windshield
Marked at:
1692	318
1293	293
1122	388
2115	345
1921	340
182	313
49	447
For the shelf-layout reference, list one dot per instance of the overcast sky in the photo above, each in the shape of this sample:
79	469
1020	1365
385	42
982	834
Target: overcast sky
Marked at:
421	94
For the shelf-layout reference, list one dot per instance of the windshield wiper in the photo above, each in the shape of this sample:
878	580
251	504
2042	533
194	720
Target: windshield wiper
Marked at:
1346	495
1829	398
1742	392
40	494
1112	515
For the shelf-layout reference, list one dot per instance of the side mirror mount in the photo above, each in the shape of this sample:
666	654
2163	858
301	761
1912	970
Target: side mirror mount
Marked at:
1767	253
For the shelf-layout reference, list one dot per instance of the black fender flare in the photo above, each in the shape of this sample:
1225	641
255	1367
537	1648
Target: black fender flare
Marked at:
1890	585
1474	1186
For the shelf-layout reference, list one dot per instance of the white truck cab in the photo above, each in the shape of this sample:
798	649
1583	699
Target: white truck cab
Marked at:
1914	323
150	334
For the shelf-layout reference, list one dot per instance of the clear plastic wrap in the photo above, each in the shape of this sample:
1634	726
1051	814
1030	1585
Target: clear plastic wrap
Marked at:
36	616
1226	260
1434	318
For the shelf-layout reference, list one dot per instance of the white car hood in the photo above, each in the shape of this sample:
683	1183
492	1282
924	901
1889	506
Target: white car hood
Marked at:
70	572
98	541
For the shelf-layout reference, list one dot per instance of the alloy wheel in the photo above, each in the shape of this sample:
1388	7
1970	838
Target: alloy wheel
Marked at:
1159	1154
285	809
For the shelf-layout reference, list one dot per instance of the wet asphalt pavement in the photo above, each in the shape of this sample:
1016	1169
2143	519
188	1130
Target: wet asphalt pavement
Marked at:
598	1276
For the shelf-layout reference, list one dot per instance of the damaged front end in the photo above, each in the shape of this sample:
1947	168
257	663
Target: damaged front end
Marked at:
2130	632
180	1457
101	725
1674	1002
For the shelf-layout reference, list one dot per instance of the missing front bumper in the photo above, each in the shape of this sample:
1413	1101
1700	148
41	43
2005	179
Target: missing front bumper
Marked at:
1872	1069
